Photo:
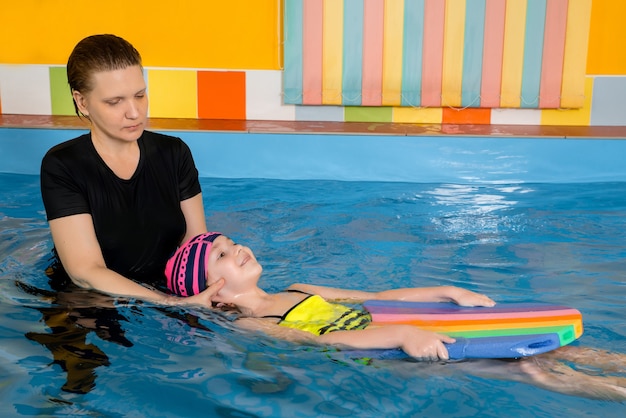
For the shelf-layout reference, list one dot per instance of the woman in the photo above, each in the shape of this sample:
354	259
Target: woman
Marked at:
119	199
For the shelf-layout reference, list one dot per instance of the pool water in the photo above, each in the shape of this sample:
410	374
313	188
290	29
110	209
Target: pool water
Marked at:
82	353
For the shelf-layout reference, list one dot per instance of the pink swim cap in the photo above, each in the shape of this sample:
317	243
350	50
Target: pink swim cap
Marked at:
186	269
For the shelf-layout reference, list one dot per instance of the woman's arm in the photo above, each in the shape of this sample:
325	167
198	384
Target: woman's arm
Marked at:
80	253
458	295
193	211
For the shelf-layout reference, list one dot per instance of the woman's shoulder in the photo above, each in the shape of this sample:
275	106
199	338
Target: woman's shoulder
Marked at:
160	138
70	145
162	142
77	149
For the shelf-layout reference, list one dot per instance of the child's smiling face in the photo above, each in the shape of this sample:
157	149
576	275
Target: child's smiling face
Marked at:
234	263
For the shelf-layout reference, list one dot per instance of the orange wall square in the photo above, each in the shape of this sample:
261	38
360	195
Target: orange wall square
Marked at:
221	95
467	116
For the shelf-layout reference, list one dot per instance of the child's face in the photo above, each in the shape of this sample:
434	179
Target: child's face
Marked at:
235	263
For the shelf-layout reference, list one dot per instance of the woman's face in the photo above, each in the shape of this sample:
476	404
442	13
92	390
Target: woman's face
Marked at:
117	106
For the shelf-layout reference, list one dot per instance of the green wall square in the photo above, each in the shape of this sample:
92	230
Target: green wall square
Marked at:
368	114
60	96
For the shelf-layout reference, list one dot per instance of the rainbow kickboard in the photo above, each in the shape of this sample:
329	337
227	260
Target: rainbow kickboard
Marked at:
508	330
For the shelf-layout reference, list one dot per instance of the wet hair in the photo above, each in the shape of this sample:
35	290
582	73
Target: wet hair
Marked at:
98	53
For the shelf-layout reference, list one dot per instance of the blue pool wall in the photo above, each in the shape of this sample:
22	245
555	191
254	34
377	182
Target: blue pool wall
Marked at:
376	157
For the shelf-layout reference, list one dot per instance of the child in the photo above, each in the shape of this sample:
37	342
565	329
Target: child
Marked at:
303	313
212	258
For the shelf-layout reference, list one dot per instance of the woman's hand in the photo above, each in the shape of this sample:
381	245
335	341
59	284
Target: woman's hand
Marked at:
204	298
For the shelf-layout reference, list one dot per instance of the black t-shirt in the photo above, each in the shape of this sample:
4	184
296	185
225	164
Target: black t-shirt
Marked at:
138	222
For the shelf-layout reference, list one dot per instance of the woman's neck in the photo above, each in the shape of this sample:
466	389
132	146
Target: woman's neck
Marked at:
121	157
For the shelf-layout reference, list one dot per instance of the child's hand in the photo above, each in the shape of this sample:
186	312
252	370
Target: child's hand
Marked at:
464	297
424	345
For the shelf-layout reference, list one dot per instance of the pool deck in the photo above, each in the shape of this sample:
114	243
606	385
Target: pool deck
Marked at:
341	128
356	151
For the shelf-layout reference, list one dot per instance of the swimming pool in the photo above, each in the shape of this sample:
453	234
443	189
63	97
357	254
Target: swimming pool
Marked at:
516	240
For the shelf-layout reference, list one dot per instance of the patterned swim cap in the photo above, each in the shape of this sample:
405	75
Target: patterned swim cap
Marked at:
186	269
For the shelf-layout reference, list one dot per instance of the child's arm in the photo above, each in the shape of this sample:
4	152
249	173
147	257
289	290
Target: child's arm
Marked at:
454	294
412	340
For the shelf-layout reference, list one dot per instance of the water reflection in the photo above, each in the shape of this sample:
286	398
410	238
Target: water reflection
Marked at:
72	316
470	209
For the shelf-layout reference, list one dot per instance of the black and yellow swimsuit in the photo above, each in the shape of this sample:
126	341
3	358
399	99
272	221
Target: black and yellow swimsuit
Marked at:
317	316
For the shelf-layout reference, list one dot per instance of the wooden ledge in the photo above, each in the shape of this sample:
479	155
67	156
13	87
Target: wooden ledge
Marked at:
343	128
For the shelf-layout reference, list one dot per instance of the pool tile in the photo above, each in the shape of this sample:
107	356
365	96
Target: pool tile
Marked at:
264	100
60	95
173	93
320	113
417	115
467	116
515	116
221	95
25	89
608	107
368	114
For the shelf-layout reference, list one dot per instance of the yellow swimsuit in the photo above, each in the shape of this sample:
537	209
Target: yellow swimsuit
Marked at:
317	316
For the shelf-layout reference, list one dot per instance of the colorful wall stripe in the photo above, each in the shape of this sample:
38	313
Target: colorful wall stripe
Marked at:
453	50
513	55
312	56
412	53
574	59
553	51
432	53
372	53
293	37
392	52
473	60
353	57
493	51
531	77
432	61
332	45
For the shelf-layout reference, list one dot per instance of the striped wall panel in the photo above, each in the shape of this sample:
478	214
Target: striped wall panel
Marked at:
436	53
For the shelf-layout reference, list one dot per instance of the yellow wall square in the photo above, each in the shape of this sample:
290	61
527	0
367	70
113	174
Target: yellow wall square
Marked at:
417	114
607	38
571	117
173	93
234	34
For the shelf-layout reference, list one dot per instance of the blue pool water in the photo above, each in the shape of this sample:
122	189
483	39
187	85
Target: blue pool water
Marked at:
80	353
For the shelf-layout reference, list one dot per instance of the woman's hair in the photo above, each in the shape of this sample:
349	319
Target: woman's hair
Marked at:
98	53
